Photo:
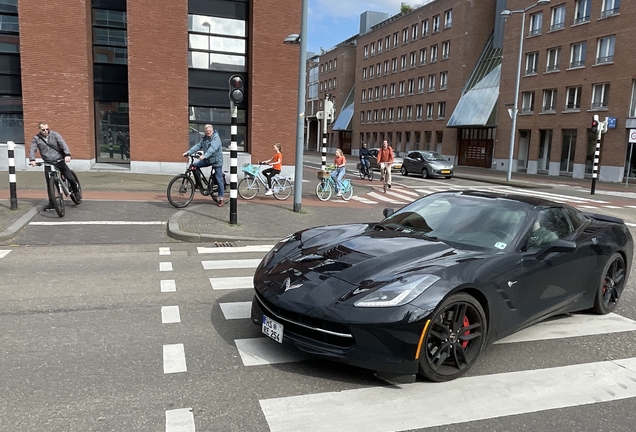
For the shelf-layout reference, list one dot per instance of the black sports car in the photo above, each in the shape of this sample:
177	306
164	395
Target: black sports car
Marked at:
425	290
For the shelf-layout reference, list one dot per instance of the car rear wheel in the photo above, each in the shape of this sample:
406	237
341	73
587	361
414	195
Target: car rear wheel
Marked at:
404	171
611	285
454	338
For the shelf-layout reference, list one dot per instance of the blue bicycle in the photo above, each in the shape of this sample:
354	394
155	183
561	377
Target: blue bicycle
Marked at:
327	186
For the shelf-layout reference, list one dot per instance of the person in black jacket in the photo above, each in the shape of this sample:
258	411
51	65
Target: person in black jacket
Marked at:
364	158
54	150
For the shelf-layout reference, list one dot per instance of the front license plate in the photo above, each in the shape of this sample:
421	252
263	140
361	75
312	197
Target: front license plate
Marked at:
272	329
445	171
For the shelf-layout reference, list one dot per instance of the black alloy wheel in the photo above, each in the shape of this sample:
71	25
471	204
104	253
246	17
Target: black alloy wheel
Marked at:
455	337
76	197
180	191
58	197
611	285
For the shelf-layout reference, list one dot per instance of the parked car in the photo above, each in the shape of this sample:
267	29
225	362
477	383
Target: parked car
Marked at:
427	164
373	160
429	287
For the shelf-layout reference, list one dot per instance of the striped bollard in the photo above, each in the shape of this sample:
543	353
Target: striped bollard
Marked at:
233	165
12	179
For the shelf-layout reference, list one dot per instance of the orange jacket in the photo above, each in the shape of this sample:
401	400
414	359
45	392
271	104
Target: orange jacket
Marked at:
385	155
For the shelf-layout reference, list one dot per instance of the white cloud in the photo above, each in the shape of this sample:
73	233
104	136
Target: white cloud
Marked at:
320	9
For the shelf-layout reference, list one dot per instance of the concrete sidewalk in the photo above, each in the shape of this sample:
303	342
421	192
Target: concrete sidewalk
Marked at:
260	219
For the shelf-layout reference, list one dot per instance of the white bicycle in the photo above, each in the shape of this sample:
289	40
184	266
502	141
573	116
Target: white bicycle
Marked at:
251	184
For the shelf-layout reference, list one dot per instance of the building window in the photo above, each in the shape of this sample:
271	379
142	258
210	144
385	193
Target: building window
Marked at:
567	150
364	95
384	91
554	54
577	54
448	19
581	11
549	100
335	64
411	86
600	96
386	67
424	28
400	112
334	83
413	59
366	51
394	64
364	73
532	63
441	110
378	70
414	31
369	116
375	116
422	56
403	62
391	112
379	46
431	82
610	7
395	39
420	85
605	50
383	115
433	53
405	36
435	24
573	98
110	38
418	112
409	112
527	102
377	93
392	90
557	20
362	117
632	105
401	91
429	111
536	21
370	72
445	50
387	43
443	80
372	48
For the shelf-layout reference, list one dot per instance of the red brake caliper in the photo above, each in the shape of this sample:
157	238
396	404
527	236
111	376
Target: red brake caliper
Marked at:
467	332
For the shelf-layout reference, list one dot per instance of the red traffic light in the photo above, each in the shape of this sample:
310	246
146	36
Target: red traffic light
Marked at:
594	126
236	82
237	89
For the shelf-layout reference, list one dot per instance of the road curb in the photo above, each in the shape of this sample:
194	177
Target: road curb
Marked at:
13	229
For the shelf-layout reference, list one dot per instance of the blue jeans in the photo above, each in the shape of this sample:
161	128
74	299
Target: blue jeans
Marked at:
218	173
337	176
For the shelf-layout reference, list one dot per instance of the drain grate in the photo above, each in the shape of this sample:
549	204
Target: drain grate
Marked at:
224	244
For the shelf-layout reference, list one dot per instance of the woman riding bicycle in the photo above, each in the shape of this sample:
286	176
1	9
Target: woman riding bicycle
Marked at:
338	173
276	163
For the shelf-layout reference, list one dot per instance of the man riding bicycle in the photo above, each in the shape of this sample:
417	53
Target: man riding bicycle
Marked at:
53	150
365	165
212	149
385	160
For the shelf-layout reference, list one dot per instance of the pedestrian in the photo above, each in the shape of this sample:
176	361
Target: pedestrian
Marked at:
276	163
54	150
212	149
338	173
122	142
365	164
386	158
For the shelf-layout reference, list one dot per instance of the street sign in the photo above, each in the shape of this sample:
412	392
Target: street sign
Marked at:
632	135
611	122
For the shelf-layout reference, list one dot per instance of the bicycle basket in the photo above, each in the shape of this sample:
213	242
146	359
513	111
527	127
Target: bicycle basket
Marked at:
250	169
323	174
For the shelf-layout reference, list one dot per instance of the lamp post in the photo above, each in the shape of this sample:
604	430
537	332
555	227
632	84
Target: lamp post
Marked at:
300	119
513	133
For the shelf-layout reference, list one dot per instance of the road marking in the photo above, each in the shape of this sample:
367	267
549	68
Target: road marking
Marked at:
630	224
380	409
228	283
408	192
168	285
223	250
170	314
587	207
611	207
99	223
231	264
377	196
4	253
165	266
363	200
572	326
634	207
174	359
263	351
180	420
164	251
400	196
236	310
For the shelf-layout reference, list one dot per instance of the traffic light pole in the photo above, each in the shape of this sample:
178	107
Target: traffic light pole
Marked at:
324	134
599	128
233	165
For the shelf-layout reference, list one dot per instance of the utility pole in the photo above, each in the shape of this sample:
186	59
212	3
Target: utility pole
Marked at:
599	128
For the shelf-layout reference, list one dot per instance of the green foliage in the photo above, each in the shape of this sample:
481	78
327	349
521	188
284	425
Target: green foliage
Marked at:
405	8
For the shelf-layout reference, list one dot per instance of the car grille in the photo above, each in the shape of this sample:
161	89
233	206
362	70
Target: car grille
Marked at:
309	327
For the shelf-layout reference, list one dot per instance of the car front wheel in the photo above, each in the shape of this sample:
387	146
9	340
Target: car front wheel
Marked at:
454	338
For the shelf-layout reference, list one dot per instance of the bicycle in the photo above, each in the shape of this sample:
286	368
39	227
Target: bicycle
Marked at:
181	188
365	171
384	173
58	186
327	185
249	187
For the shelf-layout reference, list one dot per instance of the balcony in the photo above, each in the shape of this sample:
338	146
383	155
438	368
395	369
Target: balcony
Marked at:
577	64
603	60
557	26
581	20
609	12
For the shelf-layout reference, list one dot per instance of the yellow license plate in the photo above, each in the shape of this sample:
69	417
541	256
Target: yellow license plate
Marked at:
445	171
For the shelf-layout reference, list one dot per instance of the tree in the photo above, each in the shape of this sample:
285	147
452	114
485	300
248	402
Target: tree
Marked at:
404	8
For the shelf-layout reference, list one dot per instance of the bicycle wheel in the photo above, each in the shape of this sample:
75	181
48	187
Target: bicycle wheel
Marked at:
58	197
370	174
77	197
323	190
361	171
180	191
347	192
248	188
282	189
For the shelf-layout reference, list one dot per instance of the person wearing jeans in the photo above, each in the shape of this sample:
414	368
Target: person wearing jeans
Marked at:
212	149
337	175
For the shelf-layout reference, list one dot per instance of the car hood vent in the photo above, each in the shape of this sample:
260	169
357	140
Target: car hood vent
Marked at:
591	229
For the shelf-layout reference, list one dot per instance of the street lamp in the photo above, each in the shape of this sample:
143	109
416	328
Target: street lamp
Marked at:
506	13
300	122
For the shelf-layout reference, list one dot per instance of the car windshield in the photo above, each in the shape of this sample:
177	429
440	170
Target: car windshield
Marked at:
433	156
476	221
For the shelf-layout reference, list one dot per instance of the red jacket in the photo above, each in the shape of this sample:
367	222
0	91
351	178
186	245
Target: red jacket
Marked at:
385	155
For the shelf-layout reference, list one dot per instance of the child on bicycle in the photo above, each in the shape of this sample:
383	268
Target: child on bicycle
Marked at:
276	163
339	161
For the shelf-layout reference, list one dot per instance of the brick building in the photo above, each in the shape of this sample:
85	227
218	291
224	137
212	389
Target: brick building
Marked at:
148	75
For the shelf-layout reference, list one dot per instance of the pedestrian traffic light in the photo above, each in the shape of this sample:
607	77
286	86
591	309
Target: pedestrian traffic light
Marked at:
237	89
594	125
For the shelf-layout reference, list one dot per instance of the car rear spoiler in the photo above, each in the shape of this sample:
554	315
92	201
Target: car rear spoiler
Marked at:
604	218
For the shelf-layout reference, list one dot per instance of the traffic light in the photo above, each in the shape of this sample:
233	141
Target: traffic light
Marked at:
329	111
594	126
237	89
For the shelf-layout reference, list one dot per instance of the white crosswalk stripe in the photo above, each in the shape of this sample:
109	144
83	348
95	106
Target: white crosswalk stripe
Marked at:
231	264
4	253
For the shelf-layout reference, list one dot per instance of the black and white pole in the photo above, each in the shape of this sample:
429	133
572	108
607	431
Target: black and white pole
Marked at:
598	129
233	166
12	186
324	134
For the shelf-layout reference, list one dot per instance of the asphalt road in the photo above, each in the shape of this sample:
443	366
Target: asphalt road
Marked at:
119	328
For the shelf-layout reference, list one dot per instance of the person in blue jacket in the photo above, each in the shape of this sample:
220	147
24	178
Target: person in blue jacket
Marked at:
212	149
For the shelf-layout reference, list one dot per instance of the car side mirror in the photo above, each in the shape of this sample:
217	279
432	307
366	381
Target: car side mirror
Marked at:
388	212
558	245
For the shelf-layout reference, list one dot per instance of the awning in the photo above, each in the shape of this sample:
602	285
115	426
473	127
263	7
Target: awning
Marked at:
475	107
343	122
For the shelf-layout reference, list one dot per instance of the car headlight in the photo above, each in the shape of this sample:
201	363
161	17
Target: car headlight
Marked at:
397	293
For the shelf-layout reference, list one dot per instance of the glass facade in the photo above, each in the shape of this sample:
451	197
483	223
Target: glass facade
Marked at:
11	118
